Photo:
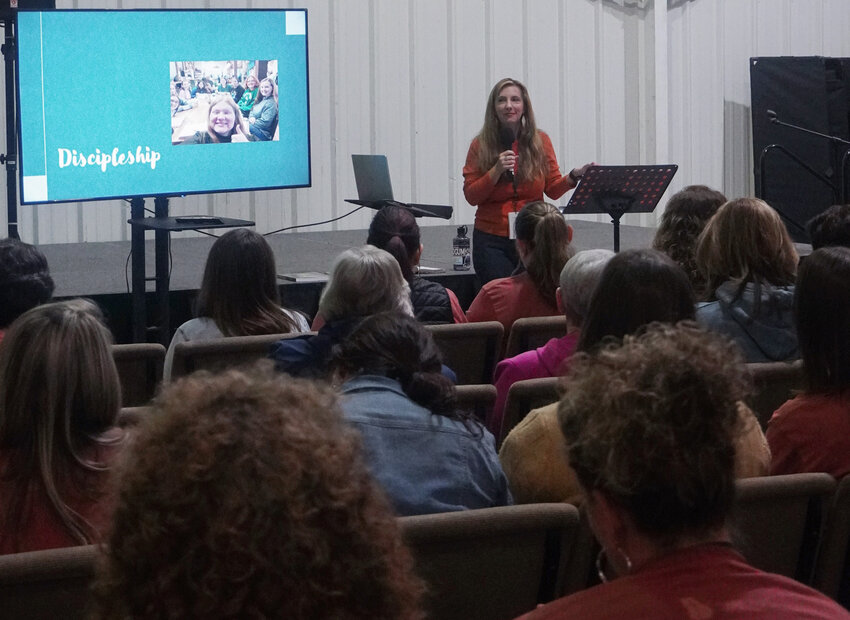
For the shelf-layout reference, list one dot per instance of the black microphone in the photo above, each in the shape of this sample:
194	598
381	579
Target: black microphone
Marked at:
771	116
506	136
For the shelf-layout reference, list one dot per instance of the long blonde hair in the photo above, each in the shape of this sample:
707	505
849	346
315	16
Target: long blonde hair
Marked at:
59	392
532	159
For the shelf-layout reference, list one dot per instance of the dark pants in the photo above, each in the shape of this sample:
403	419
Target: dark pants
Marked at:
492	256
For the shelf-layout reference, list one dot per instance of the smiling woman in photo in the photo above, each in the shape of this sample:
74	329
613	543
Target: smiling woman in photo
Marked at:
224	124
263	116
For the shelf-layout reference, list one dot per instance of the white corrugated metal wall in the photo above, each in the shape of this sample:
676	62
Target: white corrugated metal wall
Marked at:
409	78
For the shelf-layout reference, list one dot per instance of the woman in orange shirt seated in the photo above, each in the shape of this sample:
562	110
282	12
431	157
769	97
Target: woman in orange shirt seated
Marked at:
59	400
543	243
509	163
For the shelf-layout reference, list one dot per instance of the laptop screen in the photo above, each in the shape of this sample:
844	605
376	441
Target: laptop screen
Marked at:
372	175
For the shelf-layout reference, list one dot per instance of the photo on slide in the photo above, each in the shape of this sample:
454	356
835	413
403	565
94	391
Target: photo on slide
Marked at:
218	102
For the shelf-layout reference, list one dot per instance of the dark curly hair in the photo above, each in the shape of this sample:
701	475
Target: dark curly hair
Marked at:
395	345
246	496
830	227
25	280
685	215
651	425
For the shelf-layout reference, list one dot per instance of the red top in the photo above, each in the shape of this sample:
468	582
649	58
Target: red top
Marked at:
496	200
41	526
508	299
811	433
706	581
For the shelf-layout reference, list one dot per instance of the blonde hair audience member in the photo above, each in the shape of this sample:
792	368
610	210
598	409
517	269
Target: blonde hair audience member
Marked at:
59	401
749	263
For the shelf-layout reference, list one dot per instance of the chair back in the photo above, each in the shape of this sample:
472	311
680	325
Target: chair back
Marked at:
471	350
49	584
532	332
477	399
523	396
775	382
139	370
777	521
832	571
491	563
222	353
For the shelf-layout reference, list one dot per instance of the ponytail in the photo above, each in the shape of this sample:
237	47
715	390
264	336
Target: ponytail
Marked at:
541	226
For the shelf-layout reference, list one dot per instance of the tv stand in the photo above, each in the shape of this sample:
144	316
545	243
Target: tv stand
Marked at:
163	226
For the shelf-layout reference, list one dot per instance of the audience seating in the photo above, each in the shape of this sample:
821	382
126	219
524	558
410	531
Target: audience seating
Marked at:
532	332
832	571
140	371
471	350
44	585
775	382
221	353
778	521
491	563
478	399
523	396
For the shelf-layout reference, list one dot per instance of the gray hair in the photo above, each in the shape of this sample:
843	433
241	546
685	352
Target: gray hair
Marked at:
578	281
364	281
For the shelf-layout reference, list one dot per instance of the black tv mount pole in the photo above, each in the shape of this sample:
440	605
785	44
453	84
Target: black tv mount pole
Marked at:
9	49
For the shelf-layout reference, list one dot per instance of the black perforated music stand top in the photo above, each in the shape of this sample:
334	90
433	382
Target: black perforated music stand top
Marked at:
616	190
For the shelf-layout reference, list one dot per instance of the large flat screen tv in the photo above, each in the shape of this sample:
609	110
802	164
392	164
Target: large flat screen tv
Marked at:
115	104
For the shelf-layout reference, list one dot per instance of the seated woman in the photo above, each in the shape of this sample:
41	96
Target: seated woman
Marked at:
247	497
811	432
224	124
658	290
426	454
749	263
25	280
651	427
685	216
239	294
363	281
262	119
543	244
185	91
578	280
246	101
395	230
59	400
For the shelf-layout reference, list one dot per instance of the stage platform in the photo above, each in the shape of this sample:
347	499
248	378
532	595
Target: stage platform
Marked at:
101	270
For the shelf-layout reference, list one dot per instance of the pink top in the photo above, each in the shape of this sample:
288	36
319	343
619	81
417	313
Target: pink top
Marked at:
704	581
547	361
508	299
811	433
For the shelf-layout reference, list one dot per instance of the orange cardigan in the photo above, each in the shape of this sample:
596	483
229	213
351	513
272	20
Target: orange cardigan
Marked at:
496	200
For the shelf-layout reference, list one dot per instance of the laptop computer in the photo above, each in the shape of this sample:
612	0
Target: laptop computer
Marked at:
374	189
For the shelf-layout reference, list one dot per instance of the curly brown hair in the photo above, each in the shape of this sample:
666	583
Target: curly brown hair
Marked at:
685	215
651	425
246	496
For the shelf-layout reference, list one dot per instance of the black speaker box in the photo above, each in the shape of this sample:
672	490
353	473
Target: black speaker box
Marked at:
812	92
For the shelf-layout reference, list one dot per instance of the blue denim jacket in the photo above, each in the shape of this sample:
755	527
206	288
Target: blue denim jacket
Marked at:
426	463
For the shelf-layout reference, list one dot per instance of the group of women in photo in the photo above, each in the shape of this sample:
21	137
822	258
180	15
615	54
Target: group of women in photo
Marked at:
240	113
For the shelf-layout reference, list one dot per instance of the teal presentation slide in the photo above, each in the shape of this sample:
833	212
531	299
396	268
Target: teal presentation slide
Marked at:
94	89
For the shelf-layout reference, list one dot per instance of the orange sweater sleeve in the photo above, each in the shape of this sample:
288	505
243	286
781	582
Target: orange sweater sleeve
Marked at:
557	184
477	184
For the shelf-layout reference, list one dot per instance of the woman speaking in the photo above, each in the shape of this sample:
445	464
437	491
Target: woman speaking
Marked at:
508	164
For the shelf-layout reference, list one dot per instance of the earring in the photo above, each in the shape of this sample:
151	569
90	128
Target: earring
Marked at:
601	563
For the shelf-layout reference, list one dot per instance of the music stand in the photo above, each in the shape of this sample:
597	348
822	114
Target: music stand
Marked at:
617	190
